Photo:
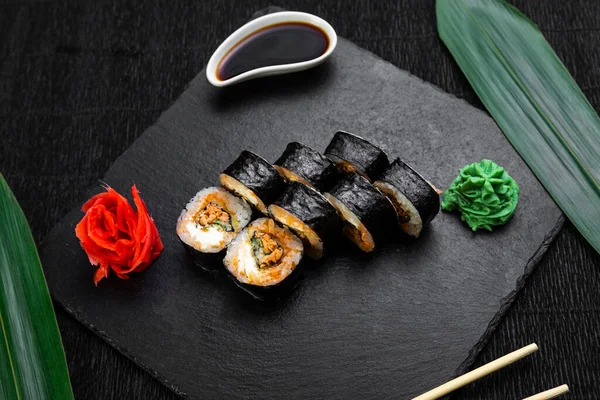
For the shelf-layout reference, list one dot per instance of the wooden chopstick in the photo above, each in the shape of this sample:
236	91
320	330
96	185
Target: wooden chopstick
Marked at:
478	373
549	394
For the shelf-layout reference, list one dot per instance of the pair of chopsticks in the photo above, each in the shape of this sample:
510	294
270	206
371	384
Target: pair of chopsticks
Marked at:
487	369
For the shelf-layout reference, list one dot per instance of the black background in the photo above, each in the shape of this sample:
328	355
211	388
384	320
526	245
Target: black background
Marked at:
79	81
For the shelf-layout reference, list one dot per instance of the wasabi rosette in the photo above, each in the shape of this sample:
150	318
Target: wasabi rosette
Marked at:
484	193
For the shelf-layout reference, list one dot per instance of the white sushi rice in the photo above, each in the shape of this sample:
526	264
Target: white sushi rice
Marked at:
366	242
212	239
237	187
312	241
242	264
415	224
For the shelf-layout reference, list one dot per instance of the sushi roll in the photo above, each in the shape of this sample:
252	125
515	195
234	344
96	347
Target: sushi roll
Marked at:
367	213
306	213
302	164
416	201
264	259
210	221
352	153
252	178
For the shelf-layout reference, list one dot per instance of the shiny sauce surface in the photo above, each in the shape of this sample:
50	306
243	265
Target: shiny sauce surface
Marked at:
278	44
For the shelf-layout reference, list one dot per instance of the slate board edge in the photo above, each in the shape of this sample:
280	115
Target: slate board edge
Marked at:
508	300
463	368
171	385
476	349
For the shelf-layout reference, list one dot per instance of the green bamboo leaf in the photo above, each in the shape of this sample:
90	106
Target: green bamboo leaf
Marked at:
32	359
533	99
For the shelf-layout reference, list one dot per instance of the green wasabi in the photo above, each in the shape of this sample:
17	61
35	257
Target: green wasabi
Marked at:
484	193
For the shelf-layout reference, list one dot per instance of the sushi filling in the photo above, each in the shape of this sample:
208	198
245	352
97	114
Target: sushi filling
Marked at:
263	254
214	214
238	188
211	220
410	219
312	241
291	176
267	251
353	228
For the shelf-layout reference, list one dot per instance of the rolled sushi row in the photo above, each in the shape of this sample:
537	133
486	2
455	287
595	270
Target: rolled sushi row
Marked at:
263	257
304	197
415	201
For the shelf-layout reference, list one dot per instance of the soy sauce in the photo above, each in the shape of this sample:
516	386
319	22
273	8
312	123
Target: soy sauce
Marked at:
285	43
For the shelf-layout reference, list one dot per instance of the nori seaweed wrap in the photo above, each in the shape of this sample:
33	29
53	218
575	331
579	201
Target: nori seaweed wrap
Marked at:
212	263
352	153
303	164
265	259
254	179
414	198
273	292
367	213
308	214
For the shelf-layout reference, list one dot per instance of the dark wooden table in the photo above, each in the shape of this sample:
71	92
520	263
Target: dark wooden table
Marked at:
81	80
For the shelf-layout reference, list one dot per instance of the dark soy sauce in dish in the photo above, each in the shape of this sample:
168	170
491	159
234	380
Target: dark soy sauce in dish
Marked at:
278	44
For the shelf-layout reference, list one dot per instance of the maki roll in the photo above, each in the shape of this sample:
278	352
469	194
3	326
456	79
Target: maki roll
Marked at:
264	259
303	164
366	212
254	179
308	214
352	153
210	221
416	201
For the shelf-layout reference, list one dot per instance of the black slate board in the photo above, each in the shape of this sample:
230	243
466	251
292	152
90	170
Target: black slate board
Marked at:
390	325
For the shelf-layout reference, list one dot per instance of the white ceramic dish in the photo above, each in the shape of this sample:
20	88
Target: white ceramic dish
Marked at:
254	25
